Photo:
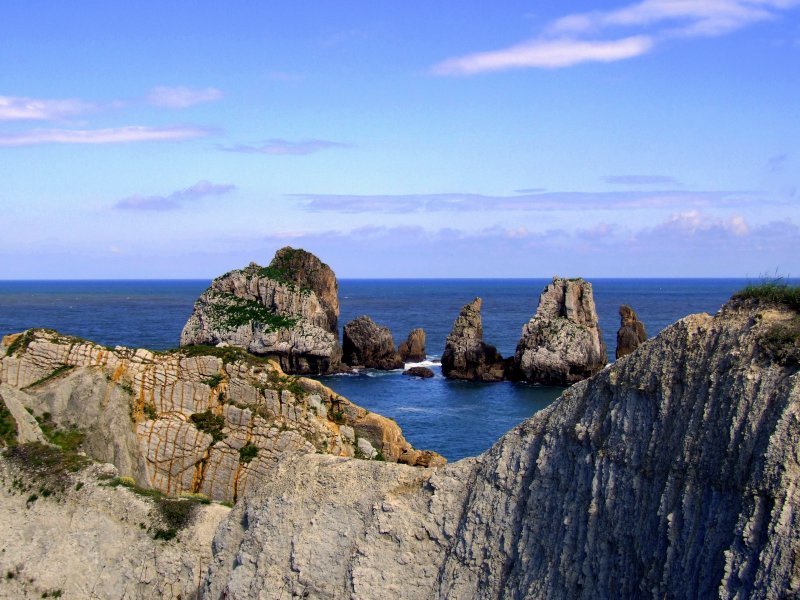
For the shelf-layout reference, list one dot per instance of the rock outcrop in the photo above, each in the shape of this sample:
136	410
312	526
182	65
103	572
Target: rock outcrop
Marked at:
673	473
413	349
466	355
631	332
205	420
562	343
367	344
287	311
423	372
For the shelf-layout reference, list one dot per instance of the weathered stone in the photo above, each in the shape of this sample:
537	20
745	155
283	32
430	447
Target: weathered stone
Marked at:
466	355
631	332
671	474
413	349
274	311
423	372
177	421
562	343
367	344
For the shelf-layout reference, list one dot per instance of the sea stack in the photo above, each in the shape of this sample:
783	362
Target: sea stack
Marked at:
562	343
367	344
287	311
631	332
413	349
466	355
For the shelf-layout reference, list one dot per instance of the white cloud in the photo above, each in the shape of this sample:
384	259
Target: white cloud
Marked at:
32	109
117	135
546	53
277	147
182	97
575	38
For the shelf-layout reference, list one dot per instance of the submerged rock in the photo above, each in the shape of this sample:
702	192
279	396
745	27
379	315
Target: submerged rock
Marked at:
413	349
562	343
287	311
367	344
671	474
631	332
466	355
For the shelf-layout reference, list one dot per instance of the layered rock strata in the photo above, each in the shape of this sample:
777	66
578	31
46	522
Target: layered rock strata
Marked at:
207	420
367	344
562	343
674	473
631	333
287	311
466	355
413	349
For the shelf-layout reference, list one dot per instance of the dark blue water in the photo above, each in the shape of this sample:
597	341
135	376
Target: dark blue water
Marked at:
456	419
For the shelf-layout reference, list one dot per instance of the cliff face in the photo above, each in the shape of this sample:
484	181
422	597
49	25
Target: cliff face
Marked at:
208	420
672	473
287	311
562	343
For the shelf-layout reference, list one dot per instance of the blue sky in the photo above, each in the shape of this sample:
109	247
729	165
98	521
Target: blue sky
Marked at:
400	139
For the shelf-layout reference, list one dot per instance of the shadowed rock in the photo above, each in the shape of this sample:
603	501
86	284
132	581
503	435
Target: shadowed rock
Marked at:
367	344
562	343
413	349
631	332
466	355
423	372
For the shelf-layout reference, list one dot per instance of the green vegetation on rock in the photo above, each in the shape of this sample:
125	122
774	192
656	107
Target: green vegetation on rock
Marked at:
56	372
782	342
776	292
229	312
247	453
209	423
8	426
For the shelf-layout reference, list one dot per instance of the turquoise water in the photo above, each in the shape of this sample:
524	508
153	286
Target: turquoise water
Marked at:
454	418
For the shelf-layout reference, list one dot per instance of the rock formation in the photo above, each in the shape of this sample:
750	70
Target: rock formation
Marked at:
366	344
287	311
674	473
466	355
423	372
207	420
631	332
413	349
562	343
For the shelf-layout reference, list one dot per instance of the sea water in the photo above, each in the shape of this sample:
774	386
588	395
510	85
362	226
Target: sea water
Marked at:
455	418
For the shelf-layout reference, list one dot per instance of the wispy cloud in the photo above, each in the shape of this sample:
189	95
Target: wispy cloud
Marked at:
117	135
641	180
283	147
174	200
578	38
549	201
182	97
32	109
546	53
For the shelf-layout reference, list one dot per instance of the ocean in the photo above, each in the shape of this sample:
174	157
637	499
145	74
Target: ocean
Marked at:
456	419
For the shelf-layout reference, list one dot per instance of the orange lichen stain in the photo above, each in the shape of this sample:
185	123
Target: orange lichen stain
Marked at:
200	471
10	339
118	373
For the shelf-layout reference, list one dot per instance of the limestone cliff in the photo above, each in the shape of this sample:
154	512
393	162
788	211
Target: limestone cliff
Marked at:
199	419
562	343
287	311
466	355
673	473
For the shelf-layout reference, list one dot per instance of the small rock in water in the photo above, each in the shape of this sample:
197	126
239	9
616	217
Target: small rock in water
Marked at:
423	372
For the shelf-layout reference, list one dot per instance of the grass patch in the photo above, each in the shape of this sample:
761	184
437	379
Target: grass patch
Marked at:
21	343
781	342
8	426
50	465
777	292
150	411
209	423
247	453
56	372
229	312
69	439
214	380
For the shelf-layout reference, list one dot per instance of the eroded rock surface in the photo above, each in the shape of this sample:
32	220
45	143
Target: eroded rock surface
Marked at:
413	349
631	332
562	343
674	473
180	421
367	344
287	311
466	355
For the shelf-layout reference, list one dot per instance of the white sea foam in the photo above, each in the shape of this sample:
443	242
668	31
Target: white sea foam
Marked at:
428	362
